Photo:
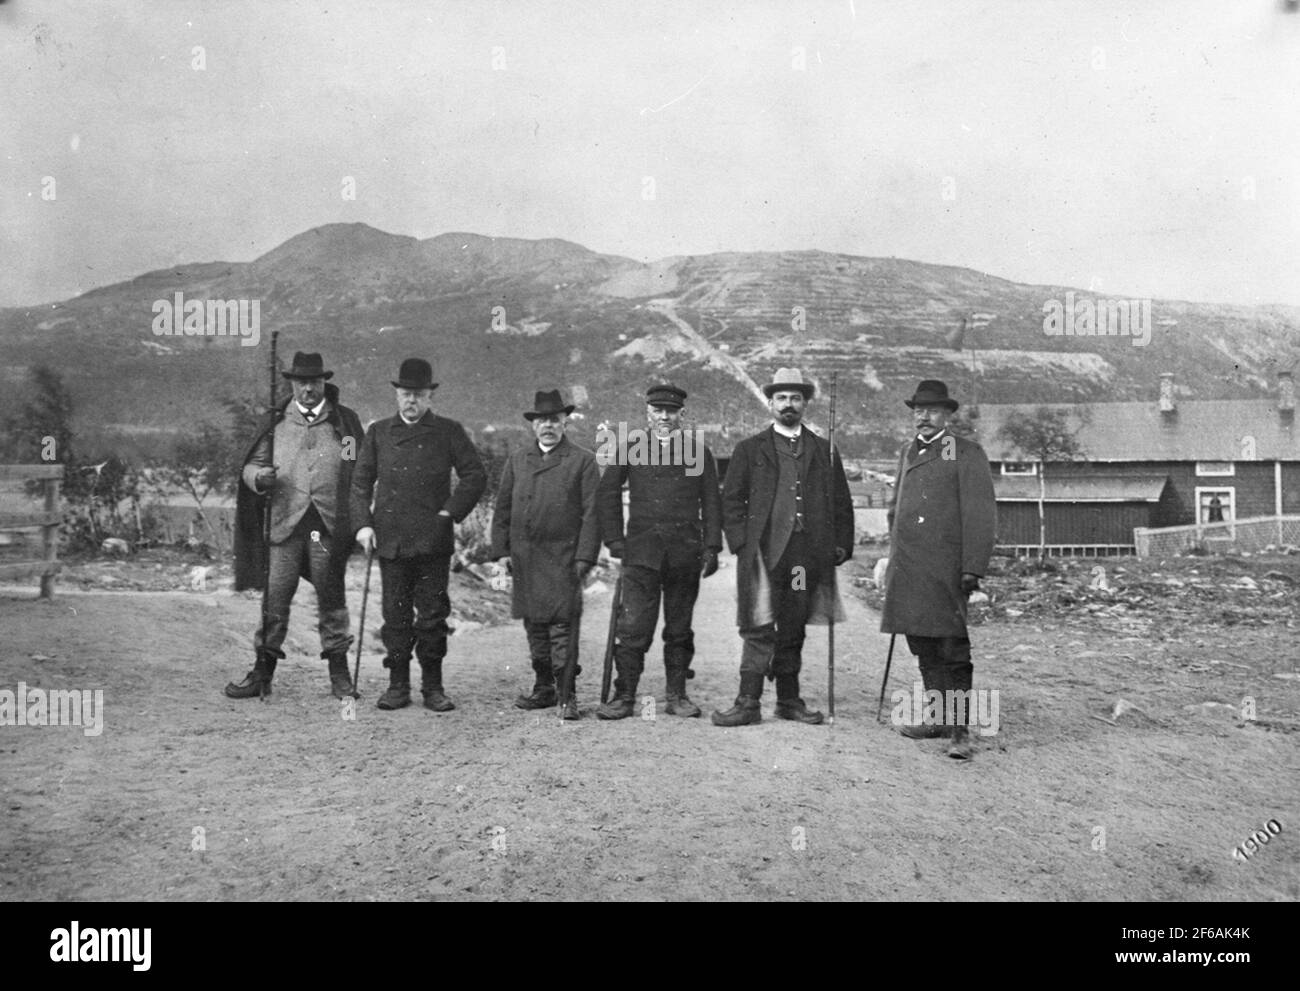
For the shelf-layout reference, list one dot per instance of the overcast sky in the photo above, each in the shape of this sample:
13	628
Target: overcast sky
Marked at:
1144	148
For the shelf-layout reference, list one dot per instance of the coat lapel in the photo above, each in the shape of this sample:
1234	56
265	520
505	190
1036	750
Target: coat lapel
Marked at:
558	453
400	433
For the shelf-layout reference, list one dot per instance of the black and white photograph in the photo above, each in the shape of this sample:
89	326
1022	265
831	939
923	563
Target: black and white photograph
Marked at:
559	451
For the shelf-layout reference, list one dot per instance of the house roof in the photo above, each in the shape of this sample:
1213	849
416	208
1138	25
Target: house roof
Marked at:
1083	488
1204	430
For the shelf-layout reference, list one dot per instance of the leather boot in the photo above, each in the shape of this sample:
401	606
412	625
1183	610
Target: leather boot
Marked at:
257	683
398	695
431	686
796	710
930	681
745	711
619	707
340	681
961	747
543	694
678	703
571	707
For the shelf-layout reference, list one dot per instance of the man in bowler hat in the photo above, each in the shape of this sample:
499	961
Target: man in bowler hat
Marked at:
545	523
406	511
942	520
311	531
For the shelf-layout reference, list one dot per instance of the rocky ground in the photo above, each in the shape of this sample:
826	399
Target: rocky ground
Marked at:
1126	764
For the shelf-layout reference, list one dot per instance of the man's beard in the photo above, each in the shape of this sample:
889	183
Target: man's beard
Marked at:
790	417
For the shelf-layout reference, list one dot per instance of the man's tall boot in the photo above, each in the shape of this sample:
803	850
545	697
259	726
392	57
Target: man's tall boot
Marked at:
958	676
789	705
398	695
623	702
539	651
431	686
257	683
931	680
340	681
746	709
678	703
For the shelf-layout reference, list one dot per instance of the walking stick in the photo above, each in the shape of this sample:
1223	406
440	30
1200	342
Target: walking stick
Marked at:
888	660
611	638
830	630
270	495
361	630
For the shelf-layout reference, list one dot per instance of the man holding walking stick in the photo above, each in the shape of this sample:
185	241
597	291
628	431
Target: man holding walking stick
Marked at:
403	502
788	517
314	439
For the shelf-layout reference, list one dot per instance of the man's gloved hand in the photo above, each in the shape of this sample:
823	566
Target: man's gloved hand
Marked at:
969	583
581	568
616	548
366	538
841	555
265	478
710	562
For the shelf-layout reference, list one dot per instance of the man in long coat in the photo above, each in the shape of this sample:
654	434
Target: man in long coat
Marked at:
544	521
405	466
943	521
788	517
674	534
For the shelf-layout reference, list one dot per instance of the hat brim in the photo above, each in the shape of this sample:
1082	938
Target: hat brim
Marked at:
533	414
414	385
804	387
951	404
295	375
669	403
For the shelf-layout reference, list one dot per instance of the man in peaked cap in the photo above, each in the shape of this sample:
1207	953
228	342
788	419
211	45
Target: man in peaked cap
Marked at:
942	520
674	534
311	530
545	523
788	518
405	467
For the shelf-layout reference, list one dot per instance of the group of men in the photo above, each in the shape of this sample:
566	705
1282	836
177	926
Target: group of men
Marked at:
783	506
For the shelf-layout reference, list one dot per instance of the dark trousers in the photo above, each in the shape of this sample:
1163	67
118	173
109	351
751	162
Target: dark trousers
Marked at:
945	665
678	583
548	647
775	650
287	560
416	607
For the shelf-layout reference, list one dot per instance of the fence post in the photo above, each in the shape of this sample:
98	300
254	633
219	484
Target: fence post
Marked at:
50	538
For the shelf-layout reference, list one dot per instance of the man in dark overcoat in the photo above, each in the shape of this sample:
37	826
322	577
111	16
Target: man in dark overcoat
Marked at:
405	468
943	522
788	518
674	534
544	521
316	438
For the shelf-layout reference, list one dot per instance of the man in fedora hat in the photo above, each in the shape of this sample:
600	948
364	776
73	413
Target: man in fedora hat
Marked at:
942	520
311	530
674	534
405	467
788	518
545	523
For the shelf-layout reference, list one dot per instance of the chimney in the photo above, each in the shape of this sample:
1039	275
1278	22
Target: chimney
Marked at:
1285	395
1167	406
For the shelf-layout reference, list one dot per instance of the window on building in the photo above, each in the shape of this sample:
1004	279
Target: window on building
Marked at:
1019	468
1216	468
1215	505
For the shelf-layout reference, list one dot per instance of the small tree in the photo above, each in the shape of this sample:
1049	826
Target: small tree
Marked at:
1046	436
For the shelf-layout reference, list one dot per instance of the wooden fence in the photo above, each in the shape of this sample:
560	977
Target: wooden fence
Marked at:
47	521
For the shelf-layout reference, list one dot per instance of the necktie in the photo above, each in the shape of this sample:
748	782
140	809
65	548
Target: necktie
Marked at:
308	415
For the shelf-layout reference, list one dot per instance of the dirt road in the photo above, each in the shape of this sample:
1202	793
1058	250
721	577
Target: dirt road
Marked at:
188	795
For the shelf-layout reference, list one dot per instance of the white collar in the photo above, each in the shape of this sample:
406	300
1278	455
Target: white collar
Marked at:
922	442
785	431
547	450
314	412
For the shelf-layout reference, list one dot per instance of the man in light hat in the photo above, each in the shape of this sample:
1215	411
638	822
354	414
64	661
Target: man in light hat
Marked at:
544	521
674	534
311	530
788	518
405	467
943	521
